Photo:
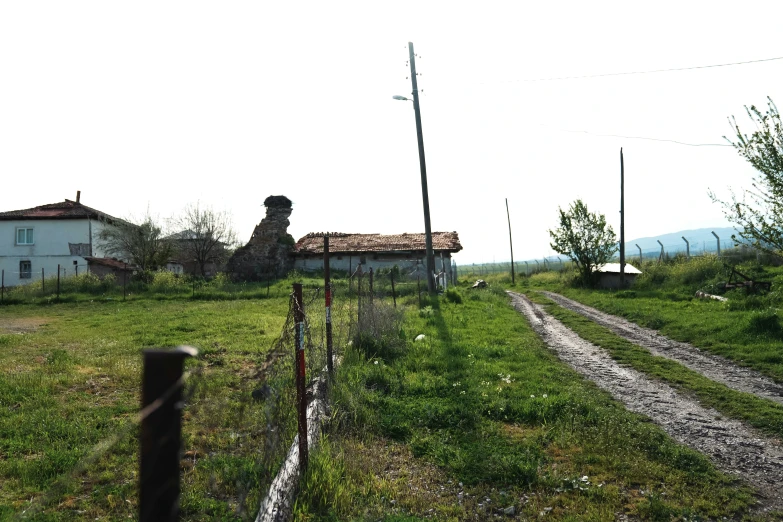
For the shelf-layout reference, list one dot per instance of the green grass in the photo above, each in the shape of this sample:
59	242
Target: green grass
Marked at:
481	407
760	413
70	376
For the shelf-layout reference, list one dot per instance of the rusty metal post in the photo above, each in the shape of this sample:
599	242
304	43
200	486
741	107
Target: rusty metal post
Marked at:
301	397
359	295
418	286
58	282
328	299
161	433
371	290
394	295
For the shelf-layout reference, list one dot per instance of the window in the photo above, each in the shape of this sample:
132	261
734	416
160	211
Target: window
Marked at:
24	236
25	269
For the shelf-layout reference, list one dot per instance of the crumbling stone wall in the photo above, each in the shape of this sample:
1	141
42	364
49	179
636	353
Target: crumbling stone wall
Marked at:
268	253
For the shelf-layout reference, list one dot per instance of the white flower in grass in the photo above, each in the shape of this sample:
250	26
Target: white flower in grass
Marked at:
532	396
545	396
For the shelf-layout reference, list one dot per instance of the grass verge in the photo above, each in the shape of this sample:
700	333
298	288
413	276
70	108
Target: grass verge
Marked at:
479	419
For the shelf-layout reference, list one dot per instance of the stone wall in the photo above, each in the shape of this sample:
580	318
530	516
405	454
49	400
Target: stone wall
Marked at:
268	253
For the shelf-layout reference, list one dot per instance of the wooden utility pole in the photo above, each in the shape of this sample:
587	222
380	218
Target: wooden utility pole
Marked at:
510	243
622	220
423	166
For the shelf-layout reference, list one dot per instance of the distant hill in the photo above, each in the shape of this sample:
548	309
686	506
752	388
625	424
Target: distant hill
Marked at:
700	239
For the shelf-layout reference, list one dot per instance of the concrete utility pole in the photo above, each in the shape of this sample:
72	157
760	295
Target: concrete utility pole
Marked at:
640	253
718	240
687	248
423	166
622	220
510	243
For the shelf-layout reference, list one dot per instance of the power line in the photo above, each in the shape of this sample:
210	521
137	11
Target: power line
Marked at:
653	71
640	138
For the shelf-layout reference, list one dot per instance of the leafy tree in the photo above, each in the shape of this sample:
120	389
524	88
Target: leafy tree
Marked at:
585	238
758	212
143	244
206	236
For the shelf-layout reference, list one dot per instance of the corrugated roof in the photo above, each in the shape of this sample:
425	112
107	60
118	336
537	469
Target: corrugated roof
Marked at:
339	242
614	268
64	210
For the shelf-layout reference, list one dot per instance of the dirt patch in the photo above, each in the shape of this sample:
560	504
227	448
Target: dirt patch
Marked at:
711	366
732	446
21	325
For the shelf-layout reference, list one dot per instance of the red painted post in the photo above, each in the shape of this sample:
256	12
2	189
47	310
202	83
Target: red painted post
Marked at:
301	397
328	299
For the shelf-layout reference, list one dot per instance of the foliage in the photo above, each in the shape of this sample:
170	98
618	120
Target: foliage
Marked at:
758	212
143	244
584	237
206	236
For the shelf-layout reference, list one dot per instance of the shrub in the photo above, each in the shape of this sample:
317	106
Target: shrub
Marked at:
453	296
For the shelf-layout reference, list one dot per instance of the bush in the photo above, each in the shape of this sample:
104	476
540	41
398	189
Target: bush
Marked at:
453	296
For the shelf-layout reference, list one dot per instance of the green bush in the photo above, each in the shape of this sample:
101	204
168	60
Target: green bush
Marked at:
453	296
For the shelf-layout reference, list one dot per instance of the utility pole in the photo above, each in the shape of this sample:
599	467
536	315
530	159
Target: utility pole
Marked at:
422	164
622	221
510	243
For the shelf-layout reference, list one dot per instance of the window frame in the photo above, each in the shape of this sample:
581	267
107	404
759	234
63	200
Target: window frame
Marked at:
28	234
26	274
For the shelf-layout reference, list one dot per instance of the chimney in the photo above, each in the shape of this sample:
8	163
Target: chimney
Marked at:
78	195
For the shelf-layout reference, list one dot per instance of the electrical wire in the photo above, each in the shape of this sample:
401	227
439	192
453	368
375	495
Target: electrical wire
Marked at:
677	142
653	71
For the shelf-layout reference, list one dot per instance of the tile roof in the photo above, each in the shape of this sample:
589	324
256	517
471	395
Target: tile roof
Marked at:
110	262
64	210
346	243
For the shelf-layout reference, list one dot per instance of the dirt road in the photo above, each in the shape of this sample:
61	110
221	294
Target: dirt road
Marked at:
711	366
732	446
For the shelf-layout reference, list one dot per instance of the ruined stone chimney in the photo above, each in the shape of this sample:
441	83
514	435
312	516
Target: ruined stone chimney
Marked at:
268	252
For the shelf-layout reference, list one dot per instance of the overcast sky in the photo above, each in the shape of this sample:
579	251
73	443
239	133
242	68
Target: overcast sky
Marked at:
154	105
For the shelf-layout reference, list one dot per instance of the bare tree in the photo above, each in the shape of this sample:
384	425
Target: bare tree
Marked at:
143	244
206	235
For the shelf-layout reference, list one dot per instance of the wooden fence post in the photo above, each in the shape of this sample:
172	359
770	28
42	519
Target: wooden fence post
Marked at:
161	433
301	397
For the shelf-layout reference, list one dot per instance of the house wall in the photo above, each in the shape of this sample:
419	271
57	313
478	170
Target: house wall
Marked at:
49	249
408	264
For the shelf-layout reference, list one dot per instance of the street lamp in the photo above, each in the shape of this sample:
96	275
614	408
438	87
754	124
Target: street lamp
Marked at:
423	166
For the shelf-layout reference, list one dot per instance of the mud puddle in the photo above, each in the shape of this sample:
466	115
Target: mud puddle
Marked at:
733	447
711	366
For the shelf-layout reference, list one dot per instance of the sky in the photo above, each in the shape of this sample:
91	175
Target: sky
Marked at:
151	106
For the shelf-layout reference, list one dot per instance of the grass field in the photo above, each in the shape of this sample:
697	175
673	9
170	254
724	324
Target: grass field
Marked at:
481	419
70	377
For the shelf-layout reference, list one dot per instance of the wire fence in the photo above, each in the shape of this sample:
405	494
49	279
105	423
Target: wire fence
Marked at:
229	434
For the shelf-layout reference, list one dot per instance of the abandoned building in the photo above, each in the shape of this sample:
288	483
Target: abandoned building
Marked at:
407	251
609	275
268	253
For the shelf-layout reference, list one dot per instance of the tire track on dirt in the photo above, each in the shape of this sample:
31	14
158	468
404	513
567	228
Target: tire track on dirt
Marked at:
711	366
733	447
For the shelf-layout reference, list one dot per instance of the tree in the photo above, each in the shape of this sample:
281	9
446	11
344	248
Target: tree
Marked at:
585	238
758	213
206	236
142	244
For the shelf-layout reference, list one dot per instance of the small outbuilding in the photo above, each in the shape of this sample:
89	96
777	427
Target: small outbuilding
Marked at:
407	251
609	275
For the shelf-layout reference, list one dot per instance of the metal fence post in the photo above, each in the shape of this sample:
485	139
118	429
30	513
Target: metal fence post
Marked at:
2	286
58	282
660	259
161	433
687	248
718	240
371	290
301	397
328	300
43	281
640	253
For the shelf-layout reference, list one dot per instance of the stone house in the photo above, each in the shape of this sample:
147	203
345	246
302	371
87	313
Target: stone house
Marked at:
376	251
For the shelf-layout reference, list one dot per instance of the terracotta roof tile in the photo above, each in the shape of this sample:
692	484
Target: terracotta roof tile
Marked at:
64	210
346	243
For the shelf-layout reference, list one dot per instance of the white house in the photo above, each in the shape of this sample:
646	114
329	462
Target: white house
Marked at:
34	242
